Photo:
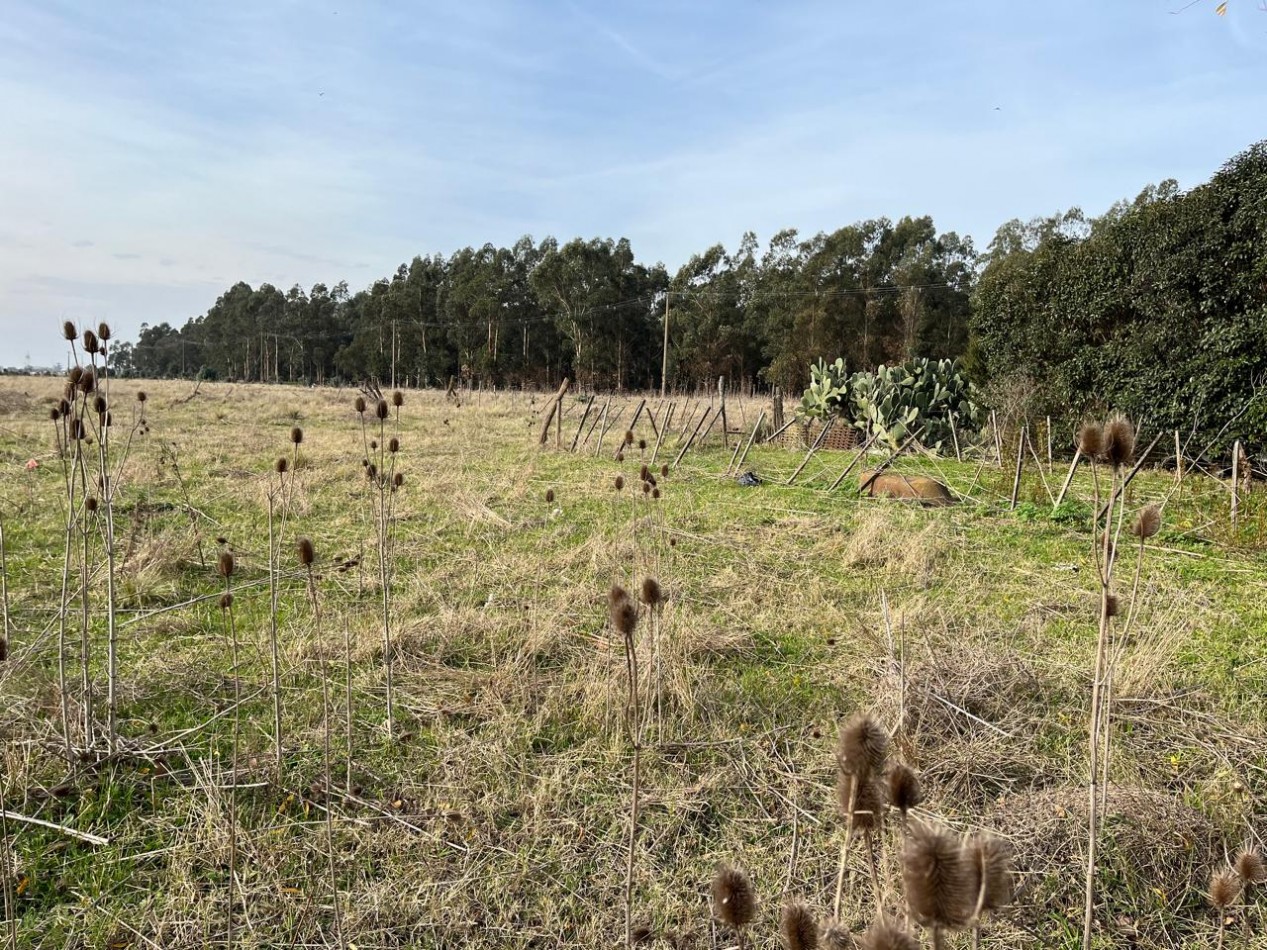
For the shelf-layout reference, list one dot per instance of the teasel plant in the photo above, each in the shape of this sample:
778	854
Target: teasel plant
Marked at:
1112	445
380	459
861	754
937	875
734	901
623	613
84	418
225	565
307	557
278	510
1225	887
798	926
652	596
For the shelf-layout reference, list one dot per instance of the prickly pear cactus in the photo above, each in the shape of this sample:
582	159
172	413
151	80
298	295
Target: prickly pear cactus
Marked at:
919	396
828	392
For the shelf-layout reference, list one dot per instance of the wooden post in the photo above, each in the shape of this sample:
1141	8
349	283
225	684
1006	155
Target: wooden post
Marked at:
862	451
692	438
556	407
1020	458
585	415
1236	480
1050	461
955	438
812	449
663	430
1178	459
998	438
760	419
597	419
776	417
721	401
1038	464
664	360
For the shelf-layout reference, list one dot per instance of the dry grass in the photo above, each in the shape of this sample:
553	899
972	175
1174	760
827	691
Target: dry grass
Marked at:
497	816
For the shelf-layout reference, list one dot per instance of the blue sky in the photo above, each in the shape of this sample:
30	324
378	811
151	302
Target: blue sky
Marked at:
154	153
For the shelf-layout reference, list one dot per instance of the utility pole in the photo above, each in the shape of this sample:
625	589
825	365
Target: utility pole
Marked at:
393	354
664	362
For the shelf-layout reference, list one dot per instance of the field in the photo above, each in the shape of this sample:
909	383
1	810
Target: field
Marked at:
497	813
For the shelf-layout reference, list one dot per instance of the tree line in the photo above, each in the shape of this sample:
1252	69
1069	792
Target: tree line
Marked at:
1157	307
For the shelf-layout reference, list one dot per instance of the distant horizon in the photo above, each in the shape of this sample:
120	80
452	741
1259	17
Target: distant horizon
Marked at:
155	156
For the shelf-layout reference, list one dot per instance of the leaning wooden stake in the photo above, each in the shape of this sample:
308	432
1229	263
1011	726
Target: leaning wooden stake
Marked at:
739	465
777	432
721	402
862	489
692	438
812	449
862	453
954	436
585	415
556	406
659	439
1178	459
1020	459
1073	467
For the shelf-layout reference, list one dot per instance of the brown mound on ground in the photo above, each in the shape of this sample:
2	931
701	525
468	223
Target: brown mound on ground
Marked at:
921	488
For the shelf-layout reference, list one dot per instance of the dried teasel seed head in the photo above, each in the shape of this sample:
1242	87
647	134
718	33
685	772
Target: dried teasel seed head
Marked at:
672	542
372	471
642	445
222	540
629	437
645	473
1110	605
99	404
91	504
1250	867
887	934
398	399
63	407
616	595
549	496
359	403
868	801
393	445
862	746
1091	440
54	414
798	926
646	488
838	937
1225	887
1147	522
904	788
1119	442
620	482
226	600
282	465
652	595
68	331
624	616
140	395
103	331
91	344
655	493
990	868
77	431
307	553
365	463
620	456
374	444
296	435
398	479
225	564
73	374
88	381
4	649
937	878
734	901
664	471
382	410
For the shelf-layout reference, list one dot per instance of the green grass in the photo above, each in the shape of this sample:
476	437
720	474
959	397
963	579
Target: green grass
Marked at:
497	816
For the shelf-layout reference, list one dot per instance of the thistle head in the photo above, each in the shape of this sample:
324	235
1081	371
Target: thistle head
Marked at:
282	465
887	934
359	404
642	445
904	788
91	504
393	445
990	866
623	611
1147	522
398	399
382	410
103	331
68	331
1250	867
734	901
73	375
91	344
307	553
862	746
619	482
798	926
1119	442
937	877
1091	439
140	396
296	435
652	595
1225	887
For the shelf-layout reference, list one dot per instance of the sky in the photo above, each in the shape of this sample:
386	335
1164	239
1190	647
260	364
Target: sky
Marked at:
152	154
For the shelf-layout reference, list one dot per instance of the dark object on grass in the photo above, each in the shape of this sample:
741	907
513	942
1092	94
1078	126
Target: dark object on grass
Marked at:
748	479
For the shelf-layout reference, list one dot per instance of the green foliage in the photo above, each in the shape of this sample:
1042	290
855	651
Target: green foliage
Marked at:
1158	308
828	393
919	395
